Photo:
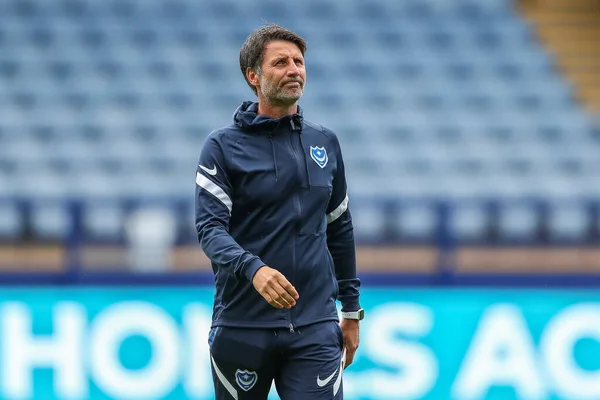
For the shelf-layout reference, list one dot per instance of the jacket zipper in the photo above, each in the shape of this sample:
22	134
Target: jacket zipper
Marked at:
299	209
299	170
292	278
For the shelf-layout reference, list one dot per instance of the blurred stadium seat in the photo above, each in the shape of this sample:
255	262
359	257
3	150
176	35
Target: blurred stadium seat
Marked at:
434	98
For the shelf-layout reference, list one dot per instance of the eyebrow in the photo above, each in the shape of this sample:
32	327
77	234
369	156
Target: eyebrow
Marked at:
284	56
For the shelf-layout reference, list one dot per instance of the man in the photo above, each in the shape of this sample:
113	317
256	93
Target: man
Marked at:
272	215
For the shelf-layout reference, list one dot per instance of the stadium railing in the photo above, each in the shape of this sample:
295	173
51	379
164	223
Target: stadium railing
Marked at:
539	259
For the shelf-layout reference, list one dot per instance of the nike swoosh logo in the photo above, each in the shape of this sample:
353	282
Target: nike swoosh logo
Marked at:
325	381
212	171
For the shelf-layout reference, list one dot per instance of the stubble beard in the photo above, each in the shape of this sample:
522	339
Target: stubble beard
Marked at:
278	95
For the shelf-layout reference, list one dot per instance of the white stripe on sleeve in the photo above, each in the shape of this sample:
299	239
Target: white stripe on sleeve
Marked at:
335	214
213	189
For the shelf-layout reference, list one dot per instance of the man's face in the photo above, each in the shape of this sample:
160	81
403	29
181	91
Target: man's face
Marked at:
283	74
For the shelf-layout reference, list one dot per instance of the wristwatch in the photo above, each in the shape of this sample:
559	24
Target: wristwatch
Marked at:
357	315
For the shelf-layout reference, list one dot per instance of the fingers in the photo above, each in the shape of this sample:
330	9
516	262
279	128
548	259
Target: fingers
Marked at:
289	288
283	297
286	291
286	299
275	288
349	357
282	291
279	296
271	298
351	341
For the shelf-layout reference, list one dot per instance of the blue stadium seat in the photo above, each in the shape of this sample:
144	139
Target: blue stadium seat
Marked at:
103	220
50	221
417	222
369	222
518	222
11	227
568	222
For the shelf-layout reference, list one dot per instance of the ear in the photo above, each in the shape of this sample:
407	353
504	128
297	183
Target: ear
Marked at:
253	77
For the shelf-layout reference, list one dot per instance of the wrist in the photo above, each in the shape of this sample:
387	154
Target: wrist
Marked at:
252	268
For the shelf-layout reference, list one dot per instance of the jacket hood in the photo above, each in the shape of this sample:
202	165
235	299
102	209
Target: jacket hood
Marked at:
246	117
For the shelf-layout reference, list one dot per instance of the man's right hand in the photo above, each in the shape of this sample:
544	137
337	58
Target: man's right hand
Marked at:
273	286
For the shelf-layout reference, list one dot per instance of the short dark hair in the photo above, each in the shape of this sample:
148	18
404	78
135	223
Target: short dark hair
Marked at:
253	49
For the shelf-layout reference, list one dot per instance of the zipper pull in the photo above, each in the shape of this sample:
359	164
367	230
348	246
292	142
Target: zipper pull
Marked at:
291	328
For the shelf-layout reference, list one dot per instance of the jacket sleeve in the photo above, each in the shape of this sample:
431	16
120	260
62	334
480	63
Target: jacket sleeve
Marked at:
340	238
213	211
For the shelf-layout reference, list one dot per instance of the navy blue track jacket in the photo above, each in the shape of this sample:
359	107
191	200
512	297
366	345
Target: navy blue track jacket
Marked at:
273	192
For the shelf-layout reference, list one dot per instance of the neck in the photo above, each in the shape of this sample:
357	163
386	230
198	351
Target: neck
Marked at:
276	110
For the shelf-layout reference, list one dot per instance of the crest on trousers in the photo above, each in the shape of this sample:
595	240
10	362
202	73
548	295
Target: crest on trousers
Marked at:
319	155
246	379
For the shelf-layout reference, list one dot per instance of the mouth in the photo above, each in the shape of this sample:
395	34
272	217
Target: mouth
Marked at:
293	84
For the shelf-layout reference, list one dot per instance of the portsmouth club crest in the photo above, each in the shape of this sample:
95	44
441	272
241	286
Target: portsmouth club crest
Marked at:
246	379
319	155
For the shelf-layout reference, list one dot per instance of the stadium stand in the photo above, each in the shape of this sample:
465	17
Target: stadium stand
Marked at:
111	99
571	29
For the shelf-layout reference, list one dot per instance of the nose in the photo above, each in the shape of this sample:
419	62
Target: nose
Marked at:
293	70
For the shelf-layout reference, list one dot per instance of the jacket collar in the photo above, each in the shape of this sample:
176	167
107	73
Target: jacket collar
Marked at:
246	117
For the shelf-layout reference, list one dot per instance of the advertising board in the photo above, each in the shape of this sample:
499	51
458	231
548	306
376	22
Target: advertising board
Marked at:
151	342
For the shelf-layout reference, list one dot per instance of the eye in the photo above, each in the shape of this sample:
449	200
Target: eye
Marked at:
299	61
280	62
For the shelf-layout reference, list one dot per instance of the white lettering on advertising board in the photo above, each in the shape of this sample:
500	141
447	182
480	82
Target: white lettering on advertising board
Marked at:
62	351
395	360
109	329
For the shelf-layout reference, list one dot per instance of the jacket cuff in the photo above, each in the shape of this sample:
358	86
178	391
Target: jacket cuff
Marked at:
349	291
252	267
350	303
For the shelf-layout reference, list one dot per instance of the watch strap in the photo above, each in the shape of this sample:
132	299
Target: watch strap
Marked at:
357	315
